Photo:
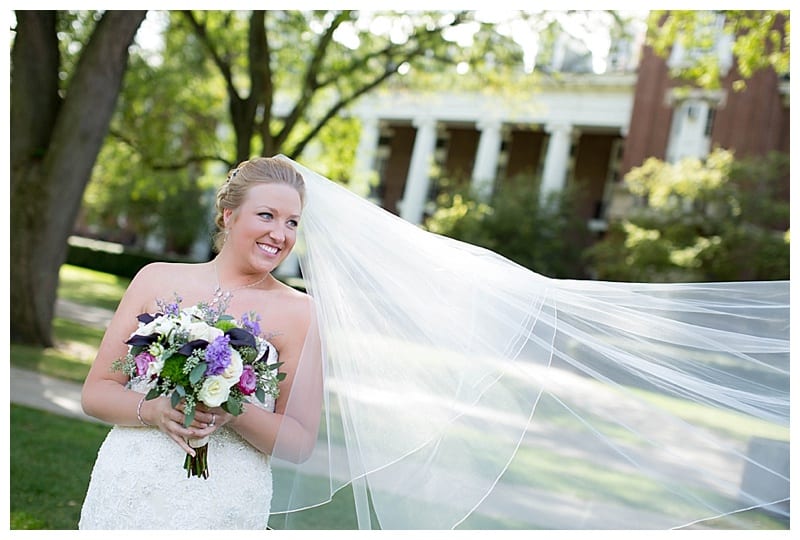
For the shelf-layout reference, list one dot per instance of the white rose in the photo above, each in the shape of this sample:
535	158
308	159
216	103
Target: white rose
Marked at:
215	391
153	327
234	370
201	330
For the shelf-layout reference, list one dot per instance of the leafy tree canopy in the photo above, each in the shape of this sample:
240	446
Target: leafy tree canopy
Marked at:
760	39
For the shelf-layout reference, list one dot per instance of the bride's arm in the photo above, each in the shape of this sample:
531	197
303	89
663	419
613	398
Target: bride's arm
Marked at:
104	395
291	431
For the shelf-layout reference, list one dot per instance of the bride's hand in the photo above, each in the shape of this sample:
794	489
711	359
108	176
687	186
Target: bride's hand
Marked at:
160	413
210	419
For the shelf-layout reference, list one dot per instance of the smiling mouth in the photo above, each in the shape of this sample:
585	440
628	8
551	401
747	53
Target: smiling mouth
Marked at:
272	250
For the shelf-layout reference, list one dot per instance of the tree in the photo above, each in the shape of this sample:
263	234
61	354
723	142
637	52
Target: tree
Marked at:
760	39
323	62
292	75
713	220
57	130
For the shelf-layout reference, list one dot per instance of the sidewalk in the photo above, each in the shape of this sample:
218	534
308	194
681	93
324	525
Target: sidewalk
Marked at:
52	394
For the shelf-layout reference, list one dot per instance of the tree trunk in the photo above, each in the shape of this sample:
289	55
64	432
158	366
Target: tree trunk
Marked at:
54	147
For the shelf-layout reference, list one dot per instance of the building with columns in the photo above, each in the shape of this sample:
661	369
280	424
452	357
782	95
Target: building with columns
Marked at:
569	131
584	129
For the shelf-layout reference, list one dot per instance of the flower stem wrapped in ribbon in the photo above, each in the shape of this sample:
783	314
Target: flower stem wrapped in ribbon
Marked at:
198	355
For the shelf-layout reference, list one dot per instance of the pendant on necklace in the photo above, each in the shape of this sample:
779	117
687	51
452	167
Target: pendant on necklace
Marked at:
221	300
222	296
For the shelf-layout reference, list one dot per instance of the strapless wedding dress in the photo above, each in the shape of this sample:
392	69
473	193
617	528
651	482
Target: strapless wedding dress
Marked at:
138	482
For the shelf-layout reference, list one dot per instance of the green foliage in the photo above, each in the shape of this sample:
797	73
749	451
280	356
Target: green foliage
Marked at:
149	177
173	370
169	205
74	29
760	40
543	235
333	153
218	88
712	220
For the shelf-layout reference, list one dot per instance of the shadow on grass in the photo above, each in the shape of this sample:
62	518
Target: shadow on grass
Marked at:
91	288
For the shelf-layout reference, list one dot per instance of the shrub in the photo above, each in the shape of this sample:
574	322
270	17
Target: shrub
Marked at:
712	220
543	235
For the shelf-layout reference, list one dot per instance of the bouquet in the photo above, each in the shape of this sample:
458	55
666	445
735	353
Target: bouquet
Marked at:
201	356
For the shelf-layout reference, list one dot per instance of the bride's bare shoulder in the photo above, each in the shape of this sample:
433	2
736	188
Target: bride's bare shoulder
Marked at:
295	302
165	273
162	281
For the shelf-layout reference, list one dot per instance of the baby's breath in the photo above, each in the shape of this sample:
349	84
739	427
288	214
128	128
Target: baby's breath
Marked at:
195	358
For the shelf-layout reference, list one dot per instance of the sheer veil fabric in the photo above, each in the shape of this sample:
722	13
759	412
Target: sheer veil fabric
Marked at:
456	389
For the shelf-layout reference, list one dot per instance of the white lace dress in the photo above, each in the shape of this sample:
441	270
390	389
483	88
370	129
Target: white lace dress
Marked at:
138	482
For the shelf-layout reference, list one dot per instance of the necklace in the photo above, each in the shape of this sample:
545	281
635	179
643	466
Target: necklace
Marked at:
222	297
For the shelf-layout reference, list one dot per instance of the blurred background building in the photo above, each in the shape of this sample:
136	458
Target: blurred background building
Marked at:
583	129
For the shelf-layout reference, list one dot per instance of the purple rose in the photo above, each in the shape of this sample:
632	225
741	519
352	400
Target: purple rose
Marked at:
143	360
247	382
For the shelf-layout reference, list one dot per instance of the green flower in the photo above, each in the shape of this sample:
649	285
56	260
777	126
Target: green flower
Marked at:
173	370
225	325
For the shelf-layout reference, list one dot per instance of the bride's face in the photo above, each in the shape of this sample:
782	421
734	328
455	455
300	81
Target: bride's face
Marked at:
264	229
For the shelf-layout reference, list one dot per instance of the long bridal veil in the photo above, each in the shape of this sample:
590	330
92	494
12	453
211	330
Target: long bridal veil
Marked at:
464	391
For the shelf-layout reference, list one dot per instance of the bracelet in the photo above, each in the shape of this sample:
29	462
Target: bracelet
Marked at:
139	411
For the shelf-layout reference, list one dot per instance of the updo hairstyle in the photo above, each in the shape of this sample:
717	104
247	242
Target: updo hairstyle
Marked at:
260	170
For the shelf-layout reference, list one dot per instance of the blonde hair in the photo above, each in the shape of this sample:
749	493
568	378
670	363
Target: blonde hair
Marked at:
260	170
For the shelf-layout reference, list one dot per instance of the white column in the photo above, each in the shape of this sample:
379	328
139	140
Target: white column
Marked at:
416	193
484	172
364	169
556	160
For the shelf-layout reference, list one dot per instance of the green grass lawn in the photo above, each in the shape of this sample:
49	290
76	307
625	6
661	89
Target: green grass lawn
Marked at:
91	288
51	460
71	356
75	344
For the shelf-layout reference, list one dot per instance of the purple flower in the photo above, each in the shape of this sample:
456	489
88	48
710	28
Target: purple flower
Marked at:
247	381
253	325
143	360
218	355
172	309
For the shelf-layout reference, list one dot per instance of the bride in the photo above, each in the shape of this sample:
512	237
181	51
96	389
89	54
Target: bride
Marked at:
452	388
138	481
